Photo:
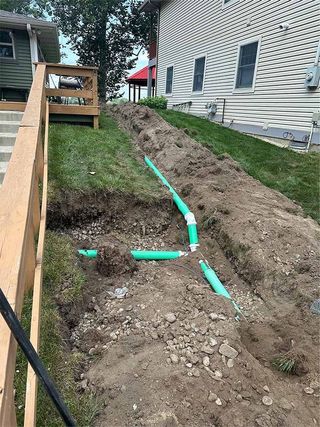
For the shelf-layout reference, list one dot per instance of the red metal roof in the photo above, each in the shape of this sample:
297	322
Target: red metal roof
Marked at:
142	75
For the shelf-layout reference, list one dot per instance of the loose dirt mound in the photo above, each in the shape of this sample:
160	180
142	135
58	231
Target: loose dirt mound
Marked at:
114	258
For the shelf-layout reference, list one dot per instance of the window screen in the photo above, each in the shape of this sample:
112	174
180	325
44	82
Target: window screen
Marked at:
169	81
247	65
6	45
199	66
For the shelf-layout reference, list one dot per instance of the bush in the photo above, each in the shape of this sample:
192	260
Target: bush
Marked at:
157	102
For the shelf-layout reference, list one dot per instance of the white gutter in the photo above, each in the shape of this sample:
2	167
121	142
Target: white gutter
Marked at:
33	47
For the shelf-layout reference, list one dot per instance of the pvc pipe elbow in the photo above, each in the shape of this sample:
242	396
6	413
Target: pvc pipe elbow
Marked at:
190	218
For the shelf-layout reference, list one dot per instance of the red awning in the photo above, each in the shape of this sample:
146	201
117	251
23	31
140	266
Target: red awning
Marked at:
140	78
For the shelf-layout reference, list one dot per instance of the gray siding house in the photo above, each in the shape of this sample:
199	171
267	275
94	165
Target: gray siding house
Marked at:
251	65
23	40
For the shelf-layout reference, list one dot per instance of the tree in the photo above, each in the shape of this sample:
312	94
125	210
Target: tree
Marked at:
35	8
106	34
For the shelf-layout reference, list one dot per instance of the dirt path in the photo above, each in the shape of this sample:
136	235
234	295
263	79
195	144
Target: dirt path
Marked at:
172	353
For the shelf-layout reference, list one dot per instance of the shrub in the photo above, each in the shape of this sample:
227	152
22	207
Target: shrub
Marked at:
157	102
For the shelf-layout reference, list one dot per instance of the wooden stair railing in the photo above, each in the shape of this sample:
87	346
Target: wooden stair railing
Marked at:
23	222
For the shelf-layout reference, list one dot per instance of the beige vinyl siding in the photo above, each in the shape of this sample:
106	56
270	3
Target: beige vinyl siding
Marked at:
195	27
17	73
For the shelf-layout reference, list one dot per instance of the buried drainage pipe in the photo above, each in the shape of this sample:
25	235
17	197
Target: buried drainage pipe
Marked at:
141	255
183	208
215	283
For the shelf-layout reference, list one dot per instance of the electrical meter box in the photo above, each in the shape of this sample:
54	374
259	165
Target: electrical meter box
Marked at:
312	78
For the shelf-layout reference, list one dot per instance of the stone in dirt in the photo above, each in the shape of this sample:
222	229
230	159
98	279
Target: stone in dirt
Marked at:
174	358
228	351
170	317
212	397
207	349
266	400
206	361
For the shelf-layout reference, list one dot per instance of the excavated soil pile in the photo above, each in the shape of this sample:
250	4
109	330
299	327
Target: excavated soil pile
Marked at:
114	258
171	353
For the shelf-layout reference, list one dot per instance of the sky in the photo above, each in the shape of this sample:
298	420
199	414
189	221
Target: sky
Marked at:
71	58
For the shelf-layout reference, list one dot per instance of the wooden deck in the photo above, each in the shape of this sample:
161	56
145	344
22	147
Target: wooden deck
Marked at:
89	94
23	222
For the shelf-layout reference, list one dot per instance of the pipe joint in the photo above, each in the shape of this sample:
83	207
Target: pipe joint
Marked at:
193	247
190	218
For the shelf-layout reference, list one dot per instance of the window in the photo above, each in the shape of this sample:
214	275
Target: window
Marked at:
247	62
198	77
169	80
6	44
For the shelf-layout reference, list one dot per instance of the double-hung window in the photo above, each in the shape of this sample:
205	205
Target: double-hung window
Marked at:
247	65
6	44
198	74
169	80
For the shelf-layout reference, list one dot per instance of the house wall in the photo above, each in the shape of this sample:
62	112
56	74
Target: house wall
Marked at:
279	103
17	73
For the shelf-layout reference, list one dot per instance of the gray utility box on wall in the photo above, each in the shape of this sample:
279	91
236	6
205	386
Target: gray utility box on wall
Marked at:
312	77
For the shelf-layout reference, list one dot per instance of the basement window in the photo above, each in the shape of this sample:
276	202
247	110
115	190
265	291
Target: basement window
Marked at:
198	74
247	64
6	45
169	80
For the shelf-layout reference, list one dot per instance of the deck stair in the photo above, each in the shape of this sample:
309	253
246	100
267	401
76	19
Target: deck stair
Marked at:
9	125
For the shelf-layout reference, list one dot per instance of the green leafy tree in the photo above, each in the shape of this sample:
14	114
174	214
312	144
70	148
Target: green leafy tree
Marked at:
105	33
35	8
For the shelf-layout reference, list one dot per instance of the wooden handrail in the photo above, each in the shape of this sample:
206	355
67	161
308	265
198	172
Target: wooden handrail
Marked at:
22	221
19	222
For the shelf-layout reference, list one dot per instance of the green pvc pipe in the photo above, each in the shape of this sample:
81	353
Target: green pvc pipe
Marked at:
181	205
88	253
140	255
156	255
215	282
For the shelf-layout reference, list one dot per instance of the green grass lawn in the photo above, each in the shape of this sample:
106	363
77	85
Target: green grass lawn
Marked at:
293	174
86	159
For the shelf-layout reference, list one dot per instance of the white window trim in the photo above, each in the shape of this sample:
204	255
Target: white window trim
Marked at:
229	3
165	88
252	88
198	92
9	44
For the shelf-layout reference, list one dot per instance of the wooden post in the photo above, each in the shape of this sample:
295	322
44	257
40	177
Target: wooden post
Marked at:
129	92
95	97
134	93
139	93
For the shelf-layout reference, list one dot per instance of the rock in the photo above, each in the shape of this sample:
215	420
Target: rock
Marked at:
195	372
266	400
212	397
206	361
213	316
207	349
266	388
219	402
189	365
228	351
218	374
170	317
230	363
213	342
154	335
174	358
113	336
84	384
309	390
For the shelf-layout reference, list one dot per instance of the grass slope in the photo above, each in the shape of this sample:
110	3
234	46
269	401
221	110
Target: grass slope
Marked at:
85	159
293	174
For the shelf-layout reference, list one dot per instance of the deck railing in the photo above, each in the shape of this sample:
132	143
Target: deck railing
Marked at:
22	223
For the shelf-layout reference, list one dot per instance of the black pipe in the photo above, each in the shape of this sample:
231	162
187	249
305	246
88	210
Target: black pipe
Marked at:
34	360
223	108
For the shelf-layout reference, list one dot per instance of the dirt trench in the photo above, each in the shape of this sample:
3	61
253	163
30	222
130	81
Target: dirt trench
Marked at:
172	353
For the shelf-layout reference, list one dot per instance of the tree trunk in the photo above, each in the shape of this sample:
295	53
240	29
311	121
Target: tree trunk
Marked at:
102	76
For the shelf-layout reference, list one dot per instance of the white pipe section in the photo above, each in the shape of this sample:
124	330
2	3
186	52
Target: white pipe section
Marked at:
33	47
316	61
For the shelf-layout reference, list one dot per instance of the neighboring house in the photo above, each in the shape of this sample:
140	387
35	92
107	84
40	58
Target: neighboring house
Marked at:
252	65
23	40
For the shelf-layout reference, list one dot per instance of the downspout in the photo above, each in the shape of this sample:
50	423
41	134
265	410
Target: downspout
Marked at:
157	58
33	47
